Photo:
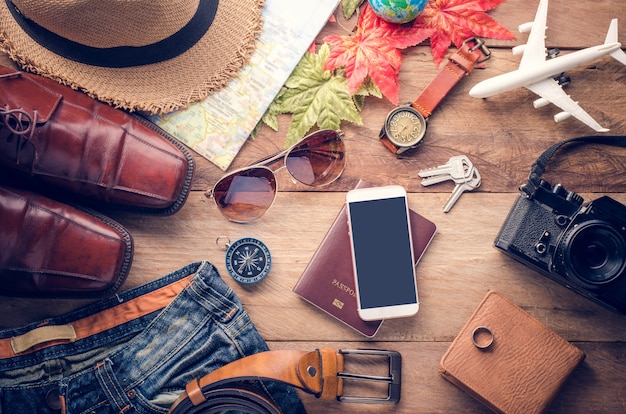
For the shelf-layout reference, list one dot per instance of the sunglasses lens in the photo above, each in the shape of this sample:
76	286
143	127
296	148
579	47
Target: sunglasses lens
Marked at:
245	195
318	159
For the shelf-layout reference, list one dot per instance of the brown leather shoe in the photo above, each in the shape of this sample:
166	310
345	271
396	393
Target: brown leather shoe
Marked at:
57	136
50	249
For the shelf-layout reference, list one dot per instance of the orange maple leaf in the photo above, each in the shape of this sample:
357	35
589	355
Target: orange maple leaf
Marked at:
453	21
374	51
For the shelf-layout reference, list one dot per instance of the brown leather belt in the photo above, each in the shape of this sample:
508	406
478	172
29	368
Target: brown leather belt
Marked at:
319	372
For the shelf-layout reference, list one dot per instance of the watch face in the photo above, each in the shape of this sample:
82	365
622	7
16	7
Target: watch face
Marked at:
405	127
248	260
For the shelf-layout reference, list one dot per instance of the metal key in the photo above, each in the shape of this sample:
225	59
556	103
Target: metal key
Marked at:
462	186
458	167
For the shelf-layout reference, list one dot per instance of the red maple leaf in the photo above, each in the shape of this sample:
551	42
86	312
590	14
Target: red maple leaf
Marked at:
374	51
453	21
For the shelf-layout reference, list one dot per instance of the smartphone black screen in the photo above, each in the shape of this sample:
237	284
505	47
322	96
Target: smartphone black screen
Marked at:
382	252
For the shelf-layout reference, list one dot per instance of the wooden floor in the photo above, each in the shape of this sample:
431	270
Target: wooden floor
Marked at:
502	136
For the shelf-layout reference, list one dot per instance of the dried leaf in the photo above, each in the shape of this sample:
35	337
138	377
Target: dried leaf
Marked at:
315	97
374	51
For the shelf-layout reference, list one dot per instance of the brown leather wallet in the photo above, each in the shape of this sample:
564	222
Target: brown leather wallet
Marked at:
507	359
319	372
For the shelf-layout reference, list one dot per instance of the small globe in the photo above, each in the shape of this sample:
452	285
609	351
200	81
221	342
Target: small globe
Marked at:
398	11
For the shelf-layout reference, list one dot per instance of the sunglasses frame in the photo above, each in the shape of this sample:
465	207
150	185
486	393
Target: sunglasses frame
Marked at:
269	160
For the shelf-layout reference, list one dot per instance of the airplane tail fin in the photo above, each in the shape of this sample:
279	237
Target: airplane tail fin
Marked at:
611	37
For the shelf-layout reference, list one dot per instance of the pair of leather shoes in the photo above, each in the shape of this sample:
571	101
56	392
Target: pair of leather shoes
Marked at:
59	142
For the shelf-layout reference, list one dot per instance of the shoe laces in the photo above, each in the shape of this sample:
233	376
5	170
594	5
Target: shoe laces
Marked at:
18	122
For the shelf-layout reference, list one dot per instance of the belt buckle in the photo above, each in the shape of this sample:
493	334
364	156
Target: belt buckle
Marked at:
479	44
394	378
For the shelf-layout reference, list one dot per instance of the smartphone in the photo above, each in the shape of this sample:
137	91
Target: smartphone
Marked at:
382	252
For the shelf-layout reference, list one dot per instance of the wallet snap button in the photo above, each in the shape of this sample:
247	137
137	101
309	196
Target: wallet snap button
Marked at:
482	337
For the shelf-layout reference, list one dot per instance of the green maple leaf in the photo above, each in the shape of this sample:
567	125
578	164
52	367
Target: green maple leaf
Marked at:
367	88
315	97
349	7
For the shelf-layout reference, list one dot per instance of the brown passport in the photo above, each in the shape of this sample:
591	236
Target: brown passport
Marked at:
328	280
523	368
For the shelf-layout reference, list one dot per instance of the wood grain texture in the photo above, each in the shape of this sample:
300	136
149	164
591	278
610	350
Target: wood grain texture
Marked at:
502	135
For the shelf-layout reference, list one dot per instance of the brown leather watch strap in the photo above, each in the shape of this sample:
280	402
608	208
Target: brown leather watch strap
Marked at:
460	64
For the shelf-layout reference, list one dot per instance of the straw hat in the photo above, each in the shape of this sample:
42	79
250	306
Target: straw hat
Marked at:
149	55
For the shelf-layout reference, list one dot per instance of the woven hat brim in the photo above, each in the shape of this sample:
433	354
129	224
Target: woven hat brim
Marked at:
155	88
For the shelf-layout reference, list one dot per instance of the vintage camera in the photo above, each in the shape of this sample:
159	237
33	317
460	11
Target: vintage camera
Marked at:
581	246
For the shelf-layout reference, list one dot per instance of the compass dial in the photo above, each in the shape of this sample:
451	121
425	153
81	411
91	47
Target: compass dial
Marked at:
248	260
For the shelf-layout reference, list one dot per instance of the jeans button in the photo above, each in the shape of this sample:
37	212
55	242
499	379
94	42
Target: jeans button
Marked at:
53	399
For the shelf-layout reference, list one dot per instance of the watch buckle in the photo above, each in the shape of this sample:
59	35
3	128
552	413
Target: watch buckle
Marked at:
479	44
393	379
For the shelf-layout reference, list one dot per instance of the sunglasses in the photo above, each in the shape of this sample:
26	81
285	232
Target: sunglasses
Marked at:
246	194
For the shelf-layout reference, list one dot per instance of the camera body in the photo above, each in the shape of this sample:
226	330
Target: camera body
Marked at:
581	246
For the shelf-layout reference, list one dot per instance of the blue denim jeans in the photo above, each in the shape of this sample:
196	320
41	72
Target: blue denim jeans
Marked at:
133	352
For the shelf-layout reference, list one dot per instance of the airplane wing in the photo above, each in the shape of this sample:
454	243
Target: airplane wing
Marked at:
551	90
535	50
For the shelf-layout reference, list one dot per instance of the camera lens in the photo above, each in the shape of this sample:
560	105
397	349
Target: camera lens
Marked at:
595	252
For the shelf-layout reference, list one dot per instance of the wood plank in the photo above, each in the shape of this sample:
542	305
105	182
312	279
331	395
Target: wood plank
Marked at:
502	135
459	267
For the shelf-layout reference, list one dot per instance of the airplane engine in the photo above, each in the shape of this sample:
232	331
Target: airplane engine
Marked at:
561	116
540	103
525	27
519	49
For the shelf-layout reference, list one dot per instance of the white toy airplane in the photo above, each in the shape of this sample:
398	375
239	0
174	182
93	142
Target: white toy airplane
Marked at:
536	72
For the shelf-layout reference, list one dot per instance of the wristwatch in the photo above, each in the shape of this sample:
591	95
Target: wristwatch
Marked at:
405	125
